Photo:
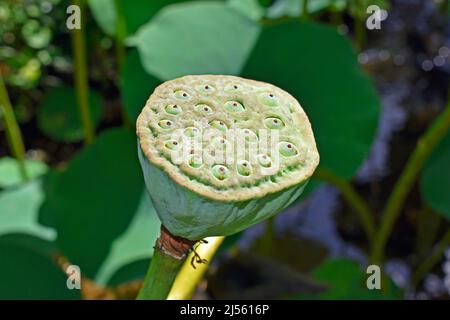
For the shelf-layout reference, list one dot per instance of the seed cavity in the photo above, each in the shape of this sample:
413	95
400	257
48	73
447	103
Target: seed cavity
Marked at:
181	95
204	109
269	99
219	142
165	124
220	172
155	109
218	124
244	168
172	145
274	123
234	106
191	132
232	87
249	135
195	161
264	160
291	108
173	109
205	88
287	149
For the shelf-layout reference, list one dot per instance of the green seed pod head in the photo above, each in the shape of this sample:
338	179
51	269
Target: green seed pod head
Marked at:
221	153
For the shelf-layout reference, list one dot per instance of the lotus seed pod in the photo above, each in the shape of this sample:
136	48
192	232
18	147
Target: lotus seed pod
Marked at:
254	153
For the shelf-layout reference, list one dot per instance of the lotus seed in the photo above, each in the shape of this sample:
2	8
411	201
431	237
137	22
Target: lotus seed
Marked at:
205	88
243	168
191	132
234	106
231	87
269	100
220	172
287	149
195	161
172	145
165	124
204	109
250	136
219	142
181	95
218	125
173	109
273	123
264	160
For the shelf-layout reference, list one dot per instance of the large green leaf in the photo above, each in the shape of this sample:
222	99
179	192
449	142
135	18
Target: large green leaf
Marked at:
135	244
104	12
10	173
26	273
138	12
135	85
94	200
37	244
294	8
319	67
346	280
435	180
196	38
358	8
59	117
250	8
135	13
130	272
19	209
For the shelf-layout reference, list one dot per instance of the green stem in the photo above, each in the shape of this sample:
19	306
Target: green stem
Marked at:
121	33
188	277
168	258
336	18
13	134
81	76
358	204
269	236
432	260
395	202
445	7
305	13
160	276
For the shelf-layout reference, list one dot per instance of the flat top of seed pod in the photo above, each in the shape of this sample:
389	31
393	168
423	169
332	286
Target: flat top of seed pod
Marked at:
227	138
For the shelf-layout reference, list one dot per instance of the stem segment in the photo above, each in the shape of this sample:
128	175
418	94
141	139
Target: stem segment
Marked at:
431	261
170	253
305	13
81	76
401	189
13	134
188	277
360	33
121	33
358	204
